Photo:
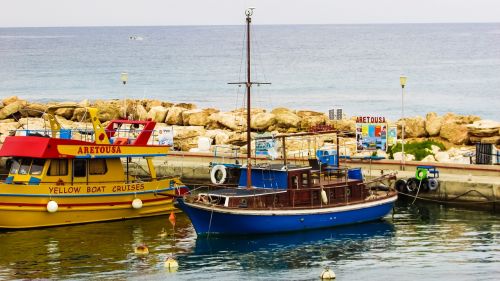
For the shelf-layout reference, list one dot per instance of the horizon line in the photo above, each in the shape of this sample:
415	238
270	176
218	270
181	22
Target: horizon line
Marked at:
271	24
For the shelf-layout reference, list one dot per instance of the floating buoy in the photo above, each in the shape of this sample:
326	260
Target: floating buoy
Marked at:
141	250
163	233
52	206
324	198
137	203
327	274
171	263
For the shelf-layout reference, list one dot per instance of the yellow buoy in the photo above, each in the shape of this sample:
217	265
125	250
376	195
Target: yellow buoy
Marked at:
163	233
327	274
141	250
171	264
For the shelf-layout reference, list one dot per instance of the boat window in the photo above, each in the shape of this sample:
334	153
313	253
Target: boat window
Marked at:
80	168
304	179
97	167
14	167
25	166
37	166
58	167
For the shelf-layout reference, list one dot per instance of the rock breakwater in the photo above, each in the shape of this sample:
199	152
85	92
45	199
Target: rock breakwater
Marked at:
456	132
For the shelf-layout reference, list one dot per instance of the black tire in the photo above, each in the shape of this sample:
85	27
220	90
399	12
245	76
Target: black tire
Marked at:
412	185
433	184
400	185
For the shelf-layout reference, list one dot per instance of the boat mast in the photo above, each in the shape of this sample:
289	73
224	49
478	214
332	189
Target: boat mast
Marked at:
248	84
248	13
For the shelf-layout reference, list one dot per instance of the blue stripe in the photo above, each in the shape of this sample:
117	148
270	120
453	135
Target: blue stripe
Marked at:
91	195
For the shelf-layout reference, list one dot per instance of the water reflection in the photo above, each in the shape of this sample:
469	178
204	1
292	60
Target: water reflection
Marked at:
421	240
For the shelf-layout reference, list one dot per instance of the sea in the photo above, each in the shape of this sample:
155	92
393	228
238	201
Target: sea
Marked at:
356	68
418	242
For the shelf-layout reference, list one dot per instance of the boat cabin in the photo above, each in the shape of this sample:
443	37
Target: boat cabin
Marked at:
64	171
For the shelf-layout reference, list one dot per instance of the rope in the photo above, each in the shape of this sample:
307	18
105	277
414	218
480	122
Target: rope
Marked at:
418	190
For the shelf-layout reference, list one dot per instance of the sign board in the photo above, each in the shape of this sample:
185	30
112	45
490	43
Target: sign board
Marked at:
266	147
392	135
166	136
371	133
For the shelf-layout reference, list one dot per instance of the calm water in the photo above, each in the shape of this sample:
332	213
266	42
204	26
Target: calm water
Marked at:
421	242
451	67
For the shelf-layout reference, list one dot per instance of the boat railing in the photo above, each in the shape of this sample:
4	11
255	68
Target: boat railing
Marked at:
126	136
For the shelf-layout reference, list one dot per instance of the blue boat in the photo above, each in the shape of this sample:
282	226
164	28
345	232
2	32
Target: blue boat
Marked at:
272	198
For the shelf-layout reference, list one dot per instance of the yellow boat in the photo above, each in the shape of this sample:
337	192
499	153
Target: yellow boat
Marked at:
56	180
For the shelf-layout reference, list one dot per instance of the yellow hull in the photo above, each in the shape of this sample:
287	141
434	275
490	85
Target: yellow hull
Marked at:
25	206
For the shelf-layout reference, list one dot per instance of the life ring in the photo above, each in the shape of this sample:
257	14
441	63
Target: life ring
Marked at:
218	174
421	174
433	184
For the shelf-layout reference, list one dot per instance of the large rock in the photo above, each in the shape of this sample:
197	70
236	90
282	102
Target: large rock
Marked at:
67	111
108	110
34	110
484	128
286	118
174	115
442	157
454	133
433	124
348	125
197	117
414	127
12	108
490	140
311	119
262	121
459	119
81	115
8	100
8	129
186	132
398	156
158	113
220	136
186	105
232	121
429	158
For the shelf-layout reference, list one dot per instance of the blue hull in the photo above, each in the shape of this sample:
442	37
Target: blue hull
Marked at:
225	221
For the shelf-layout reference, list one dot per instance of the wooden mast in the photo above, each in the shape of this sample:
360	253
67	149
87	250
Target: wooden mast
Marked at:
248	84
249	13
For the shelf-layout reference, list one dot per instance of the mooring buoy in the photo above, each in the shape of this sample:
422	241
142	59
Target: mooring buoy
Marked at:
171	264
141	250
327	274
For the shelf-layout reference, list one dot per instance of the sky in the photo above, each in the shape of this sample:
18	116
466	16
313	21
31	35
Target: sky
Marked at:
37	13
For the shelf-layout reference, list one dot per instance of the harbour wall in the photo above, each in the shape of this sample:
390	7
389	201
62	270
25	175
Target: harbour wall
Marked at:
475	186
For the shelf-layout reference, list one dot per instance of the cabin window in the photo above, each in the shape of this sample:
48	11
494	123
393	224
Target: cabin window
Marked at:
14	167
25	166
97	167
305	179
37	166
79	168
58	167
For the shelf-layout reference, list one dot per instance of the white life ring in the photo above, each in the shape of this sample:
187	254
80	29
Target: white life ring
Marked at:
215	172
433	184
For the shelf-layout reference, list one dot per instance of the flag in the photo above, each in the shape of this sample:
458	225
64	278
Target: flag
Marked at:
171	218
